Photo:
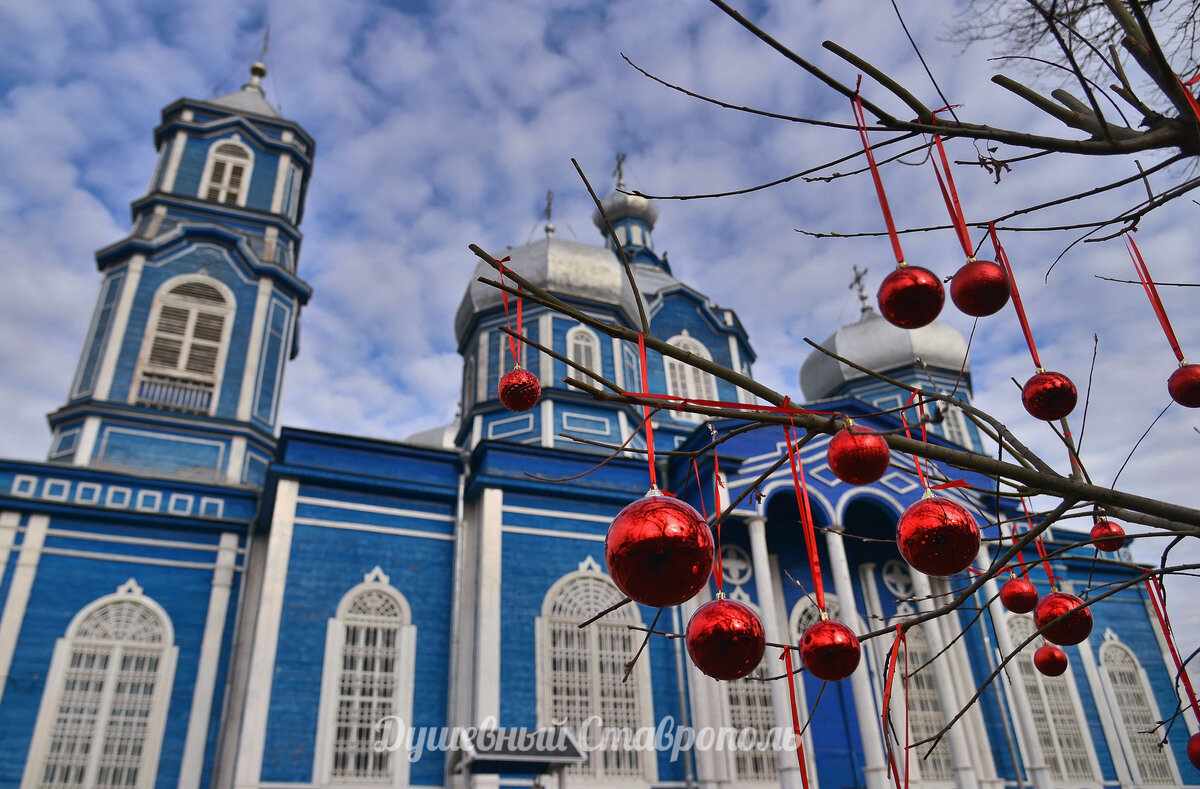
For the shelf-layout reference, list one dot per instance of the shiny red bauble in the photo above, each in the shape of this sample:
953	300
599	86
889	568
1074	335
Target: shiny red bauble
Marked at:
1050	660
829	650
1072	628
1184	385
659	551
1049	396
519	389
1019	595
979	288
1108	536
858	458
938	536
725	639
911	297
1193	750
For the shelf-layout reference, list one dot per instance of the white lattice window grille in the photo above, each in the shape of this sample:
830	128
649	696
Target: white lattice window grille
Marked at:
925	717
367	680
805	613
186	338
1056	714
1137	712
750	707
954	426
102	714
583	348
686	381
227	173
631	372
580	672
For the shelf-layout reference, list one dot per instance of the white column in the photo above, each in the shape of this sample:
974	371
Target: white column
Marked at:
875	768
701	697
789	770
1027	735
964	772
258	330
192	763
266	637
18	592
487	617
116	332
1101	697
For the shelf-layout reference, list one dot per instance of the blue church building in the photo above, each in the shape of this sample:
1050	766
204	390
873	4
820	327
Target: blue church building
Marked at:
192	596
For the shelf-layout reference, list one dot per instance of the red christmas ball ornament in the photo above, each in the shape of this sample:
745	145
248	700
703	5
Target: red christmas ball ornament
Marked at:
725	639
858	458
979	288
829	650
1193	750
659	550
519	389
911	297
1184	385
1049	396
1050	660
1019	595
1109	536
1072	628
938	536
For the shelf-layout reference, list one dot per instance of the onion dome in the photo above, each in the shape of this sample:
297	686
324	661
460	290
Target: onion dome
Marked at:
619	205
876	344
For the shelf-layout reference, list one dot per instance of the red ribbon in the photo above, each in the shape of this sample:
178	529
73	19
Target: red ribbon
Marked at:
786	657
1154	587
718	576
646	410
756	408
887	694
1002	259
810	535
861	121
950	195
512	343
1143	273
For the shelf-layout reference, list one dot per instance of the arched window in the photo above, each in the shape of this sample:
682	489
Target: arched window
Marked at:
750	707
367	679
805	613
583	348
580	674
1137	713
1056	714
226	173
925	717
102	715
184	347
684	380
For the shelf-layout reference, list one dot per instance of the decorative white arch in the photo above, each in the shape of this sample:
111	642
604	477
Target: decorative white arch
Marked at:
370	651
579	673
227	172
684	380
1127	691
104	707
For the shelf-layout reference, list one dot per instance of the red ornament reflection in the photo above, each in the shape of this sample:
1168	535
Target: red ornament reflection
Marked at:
1049	396
659	550
911	297
519	389
1019	595
938	536
858	458
1109	536
1050	660
1072	628
725	639
979	288
1193	750
829	650
1184	385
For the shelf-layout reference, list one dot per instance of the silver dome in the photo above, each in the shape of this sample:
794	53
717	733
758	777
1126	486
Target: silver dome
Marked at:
619	205
878	345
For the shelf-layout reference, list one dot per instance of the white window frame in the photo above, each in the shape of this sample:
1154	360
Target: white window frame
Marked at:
228	161
60	664
165	297
1125	732
587	337
686	381
335	640
1036	694
763	765
592	772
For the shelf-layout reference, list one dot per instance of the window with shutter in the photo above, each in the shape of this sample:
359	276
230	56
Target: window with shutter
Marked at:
227	166
686	381
583	349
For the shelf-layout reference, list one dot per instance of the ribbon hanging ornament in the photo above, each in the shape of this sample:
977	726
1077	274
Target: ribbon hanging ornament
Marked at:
1047	395
1184	383
909	296
519	390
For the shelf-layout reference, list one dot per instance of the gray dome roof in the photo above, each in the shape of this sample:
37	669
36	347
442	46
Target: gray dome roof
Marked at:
874	343
251	98
619	205
565	268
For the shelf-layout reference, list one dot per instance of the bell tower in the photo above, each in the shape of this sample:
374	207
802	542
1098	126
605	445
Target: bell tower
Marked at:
182	367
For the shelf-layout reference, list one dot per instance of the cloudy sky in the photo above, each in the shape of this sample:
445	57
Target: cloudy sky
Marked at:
444	123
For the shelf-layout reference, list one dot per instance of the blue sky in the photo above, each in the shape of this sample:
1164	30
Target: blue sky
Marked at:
441	124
